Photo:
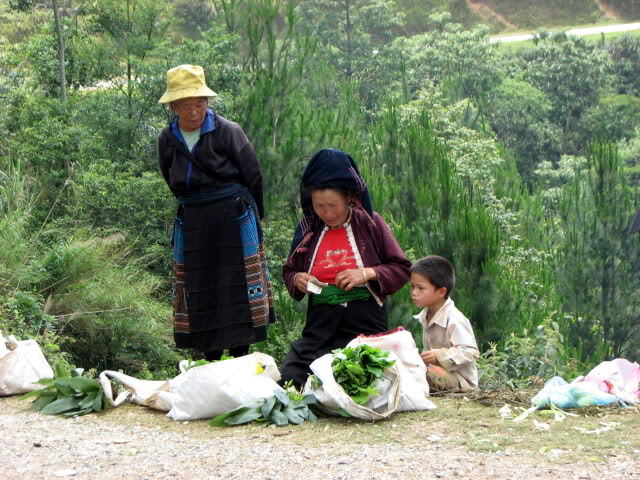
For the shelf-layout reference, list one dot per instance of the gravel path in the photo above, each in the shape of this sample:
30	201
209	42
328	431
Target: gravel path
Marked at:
133	443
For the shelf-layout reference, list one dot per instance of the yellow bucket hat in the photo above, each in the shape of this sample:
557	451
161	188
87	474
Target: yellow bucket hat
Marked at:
186	81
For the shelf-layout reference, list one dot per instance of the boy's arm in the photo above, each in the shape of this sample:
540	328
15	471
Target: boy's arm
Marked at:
463	351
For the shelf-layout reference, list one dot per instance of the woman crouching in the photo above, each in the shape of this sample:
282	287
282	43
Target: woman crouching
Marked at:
344	256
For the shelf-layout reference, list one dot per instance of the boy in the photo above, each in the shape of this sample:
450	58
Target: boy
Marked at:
450	349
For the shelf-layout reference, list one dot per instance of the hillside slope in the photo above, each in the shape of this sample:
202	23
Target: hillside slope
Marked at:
511	15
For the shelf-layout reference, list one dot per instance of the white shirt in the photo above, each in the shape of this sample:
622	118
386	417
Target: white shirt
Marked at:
450	336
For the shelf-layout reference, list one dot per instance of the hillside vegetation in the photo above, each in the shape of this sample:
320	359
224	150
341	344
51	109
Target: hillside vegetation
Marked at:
510	15
510	164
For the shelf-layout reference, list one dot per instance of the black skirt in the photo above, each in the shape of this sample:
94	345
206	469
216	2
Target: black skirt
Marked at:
329	327
222	290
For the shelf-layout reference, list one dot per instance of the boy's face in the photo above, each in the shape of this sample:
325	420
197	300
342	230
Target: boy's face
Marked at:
424	293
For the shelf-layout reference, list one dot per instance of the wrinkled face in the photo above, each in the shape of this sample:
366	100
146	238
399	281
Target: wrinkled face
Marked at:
424	293
191	112
332	206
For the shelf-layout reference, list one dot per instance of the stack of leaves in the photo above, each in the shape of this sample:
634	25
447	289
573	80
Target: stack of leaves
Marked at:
357	369
282	408
68	395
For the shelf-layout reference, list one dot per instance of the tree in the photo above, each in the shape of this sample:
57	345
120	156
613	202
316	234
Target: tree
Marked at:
356	36
519	114
59	35
196	16
572	72
131	30
614	117
596	262
625	54
22	5
462	60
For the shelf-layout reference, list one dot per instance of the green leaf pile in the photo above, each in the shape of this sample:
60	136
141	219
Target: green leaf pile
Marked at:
357	369
67	395
281	408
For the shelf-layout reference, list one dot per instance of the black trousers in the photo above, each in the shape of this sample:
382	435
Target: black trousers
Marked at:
329	327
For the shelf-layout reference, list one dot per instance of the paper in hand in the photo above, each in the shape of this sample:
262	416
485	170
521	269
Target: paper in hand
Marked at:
315	286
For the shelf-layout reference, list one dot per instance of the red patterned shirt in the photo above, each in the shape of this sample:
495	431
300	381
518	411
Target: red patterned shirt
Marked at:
333	255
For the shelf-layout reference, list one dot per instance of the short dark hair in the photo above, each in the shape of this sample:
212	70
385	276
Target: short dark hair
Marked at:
438	270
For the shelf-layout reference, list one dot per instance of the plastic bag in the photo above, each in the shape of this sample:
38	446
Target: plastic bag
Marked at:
332	398
618	377
413	372
204	391
558	393
21	365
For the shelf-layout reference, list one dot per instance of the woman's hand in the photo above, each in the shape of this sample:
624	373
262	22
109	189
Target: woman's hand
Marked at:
354	277
301	280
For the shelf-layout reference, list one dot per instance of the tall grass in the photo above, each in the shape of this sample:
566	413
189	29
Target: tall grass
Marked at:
87	294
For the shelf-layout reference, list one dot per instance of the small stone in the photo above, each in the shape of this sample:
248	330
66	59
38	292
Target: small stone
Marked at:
37	444
65	473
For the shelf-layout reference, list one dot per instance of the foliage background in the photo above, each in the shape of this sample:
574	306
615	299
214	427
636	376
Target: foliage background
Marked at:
520	166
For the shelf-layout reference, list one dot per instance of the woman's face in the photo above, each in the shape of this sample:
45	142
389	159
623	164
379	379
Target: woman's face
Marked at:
191	112
332	206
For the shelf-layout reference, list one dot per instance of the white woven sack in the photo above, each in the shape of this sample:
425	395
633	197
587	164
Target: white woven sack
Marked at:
332	397
209	390
22	364
414	388
204	391
137	391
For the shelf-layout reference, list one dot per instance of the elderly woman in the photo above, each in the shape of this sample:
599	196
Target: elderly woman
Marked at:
341	242
222	291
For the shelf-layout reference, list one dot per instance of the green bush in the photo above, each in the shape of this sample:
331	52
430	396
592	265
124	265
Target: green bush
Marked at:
528	358
105	302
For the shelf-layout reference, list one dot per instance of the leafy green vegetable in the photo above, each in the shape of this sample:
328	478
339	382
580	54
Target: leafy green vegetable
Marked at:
284	407
198	363
67	395
357	369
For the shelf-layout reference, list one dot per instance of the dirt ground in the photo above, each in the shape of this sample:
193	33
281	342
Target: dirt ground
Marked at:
460	439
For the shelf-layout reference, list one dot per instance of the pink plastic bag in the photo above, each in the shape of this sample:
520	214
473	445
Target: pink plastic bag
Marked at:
618	377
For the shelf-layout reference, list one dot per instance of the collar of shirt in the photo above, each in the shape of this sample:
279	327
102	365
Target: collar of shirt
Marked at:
440	317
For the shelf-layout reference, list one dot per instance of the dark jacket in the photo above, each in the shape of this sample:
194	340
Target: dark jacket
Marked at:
222	155
377	246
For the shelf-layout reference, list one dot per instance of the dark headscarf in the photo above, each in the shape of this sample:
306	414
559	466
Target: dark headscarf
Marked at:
329	168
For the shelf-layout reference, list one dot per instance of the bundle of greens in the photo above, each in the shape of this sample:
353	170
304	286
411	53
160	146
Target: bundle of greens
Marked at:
357	369
282	408
68	395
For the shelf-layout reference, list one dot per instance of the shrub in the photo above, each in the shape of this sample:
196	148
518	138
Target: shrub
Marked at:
528	358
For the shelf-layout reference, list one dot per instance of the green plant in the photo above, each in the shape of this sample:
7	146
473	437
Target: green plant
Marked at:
357	369
527	358
68	395
23	315
283	408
